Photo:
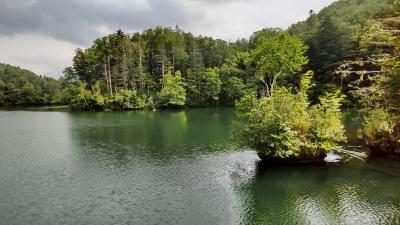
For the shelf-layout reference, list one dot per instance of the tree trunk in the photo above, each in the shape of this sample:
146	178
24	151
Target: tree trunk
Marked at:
125	67
109	75
106	75
162	72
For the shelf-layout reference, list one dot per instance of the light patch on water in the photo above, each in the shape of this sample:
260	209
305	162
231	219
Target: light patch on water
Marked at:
311	211
354	209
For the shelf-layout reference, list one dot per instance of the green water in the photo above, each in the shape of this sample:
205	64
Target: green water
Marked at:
170	167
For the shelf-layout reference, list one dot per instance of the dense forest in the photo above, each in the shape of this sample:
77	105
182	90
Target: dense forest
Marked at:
345	55
22	87
161	67
133	71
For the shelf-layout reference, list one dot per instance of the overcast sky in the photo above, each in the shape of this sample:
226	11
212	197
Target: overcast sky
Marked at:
41	35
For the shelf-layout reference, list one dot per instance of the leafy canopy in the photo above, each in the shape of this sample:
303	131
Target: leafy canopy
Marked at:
277	56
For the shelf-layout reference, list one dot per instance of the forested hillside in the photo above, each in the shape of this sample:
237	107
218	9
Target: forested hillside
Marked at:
333	36
168	67
23	87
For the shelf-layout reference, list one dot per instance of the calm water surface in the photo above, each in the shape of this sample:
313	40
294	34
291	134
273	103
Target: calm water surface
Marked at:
169	167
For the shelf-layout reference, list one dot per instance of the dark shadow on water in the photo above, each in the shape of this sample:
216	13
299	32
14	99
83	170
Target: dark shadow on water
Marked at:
263	167
386	165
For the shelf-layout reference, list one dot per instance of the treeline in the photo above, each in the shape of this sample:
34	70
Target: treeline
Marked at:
153	67
23	87
167	67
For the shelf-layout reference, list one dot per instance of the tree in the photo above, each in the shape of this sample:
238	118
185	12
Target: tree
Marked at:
331	44
209	86
330	35
139	78
173	93
121	59
103	49
84	66
232	84
195	66
276	57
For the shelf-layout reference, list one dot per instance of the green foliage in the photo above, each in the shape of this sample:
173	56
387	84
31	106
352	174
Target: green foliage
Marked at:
381	41
129	100
236	77
378	122
82	99
276	57
23	87
211	85
381	131
284	126
332	38
394	8
330	44
173	93
375	80
215	72
306	81
326	126
140	62
262	125
65	96
232	89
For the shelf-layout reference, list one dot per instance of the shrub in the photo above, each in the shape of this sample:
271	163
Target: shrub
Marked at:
381	132
148	102
84	99
125	100
284	126
326	126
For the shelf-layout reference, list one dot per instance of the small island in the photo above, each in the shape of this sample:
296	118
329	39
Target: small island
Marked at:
282	125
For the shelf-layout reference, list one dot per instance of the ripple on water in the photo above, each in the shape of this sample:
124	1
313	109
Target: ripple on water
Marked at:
173	168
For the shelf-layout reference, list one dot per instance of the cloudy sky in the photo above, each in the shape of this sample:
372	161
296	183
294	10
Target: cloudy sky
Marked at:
41	35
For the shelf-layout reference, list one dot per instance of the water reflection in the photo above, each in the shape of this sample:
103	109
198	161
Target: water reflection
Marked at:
152	135
353	193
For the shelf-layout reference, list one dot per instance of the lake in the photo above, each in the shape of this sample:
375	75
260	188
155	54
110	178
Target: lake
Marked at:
174	167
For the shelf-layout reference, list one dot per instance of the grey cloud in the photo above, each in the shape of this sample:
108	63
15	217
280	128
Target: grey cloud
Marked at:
221	1
80	21
41	54
41	35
